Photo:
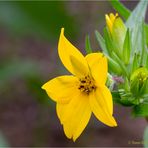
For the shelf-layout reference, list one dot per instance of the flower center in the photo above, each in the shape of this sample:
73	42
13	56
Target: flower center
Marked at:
87	84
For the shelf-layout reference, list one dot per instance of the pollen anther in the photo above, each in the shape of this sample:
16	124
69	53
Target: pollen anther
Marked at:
86	85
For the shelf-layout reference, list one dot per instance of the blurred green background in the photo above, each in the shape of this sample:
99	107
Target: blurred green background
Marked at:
29	33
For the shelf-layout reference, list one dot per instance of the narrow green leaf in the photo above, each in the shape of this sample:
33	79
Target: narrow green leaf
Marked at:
140	110
146	32
143	44
134	23
114	67
116	97
137	14
126	98
127	48
135	64
145	137
108	41
120	8
147	62
88	45
124	70
144	88
136	38
126	85
101	42
135	87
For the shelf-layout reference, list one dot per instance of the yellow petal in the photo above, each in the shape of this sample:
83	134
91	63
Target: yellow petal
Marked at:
71	57
61	88
98	67
101	106
113	17
75	115
108	22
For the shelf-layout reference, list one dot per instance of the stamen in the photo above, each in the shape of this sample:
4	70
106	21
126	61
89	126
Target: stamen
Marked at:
87	85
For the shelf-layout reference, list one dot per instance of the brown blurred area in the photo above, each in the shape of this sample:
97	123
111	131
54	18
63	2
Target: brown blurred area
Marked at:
28	58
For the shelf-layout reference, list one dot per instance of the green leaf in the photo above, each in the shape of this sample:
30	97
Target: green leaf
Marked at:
136	39
108	41
134	23
145	137
140	110
147	62
120	8
88	45
126	98
144	88
127	48
116	97
135	87
137	14
143	44
119	61
146	32
101	42
114	67
135	64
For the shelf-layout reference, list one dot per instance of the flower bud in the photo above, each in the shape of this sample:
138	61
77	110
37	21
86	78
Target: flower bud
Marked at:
139	80
117	30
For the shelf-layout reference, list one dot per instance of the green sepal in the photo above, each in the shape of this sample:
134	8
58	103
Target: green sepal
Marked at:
135	87
101	42
140	110
88	45
127	48
135	64
147	62
144	88
118	35
121	64
116	97
126	84
108	41
143	45
114	67
127	99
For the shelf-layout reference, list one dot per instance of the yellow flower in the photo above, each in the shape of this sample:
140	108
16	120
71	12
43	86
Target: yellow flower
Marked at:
82	93
110	20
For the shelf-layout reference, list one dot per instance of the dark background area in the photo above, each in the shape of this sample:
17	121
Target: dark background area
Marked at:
29	33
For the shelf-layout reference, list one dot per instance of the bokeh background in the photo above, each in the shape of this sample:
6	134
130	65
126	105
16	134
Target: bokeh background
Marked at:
29	33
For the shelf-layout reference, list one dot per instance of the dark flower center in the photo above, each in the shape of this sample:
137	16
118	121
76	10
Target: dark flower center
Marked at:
87	84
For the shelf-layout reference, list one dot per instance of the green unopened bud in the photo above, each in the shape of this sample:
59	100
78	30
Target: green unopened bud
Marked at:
117	29
119	32
139	81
